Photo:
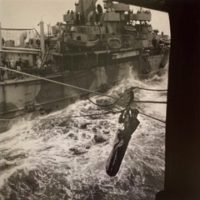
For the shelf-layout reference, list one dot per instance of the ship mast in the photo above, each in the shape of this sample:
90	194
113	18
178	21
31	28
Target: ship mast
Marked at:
0	45
42	38
86	6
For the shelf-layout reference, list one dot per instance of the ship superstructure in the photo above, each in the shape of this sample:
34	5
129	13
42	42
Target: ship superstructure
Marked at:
87	50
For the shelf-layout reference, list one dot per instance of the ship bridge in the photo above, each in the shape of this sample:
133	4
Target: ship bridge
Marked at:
182	173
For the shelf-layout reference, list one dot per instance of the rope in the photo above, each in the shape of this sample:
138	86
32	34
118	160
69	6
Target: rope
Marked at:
106	113
78	116
97	114
7	119
152	102
116	112
154	118
56	82
114	103
94	92
80	88
153	90
16	29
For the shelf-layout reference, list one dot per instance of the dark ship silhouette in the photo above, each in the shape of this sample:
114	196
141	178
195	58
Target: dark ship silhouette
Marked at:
86	51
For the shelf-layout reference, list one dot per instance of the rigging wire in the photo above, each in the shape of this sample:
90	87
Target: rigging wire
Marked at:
56	82
96	114
104	113
90	91
135	101
151	102
87	90
16	29
82	89
154	118
117	112
94	92
149	89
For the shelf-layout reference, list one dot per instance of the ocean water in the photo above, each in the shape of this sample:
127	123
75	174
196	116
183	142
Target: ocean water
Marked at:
60	157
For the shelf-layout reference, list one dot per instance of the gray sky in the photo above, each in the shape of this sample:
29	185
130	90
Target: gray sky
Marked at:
28	13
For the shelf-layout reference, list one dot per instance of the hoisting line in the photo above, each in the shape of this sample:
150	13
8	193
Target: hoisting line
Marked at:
97	114
154	118
16	29
153	90
56	82
83	89
151	102
117	112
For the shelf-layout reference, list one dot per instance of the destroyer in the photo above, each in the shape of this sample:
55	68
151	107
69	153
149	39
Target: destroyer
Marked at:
87	50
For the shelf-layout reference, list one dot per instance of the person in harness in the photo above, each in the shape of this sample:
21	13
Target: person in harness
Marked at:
128	118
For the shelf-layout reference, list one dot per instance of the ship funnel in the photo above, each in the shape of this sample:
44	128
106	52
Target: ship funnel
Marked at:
85	7
0	44
42	38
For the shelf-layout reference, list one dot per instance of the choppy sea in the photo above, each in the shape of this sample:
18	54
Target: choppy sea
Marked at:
59	157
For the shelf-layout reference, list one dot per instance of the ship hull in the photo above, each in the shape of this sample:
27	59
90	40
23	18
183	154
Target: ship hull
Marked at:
25	95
